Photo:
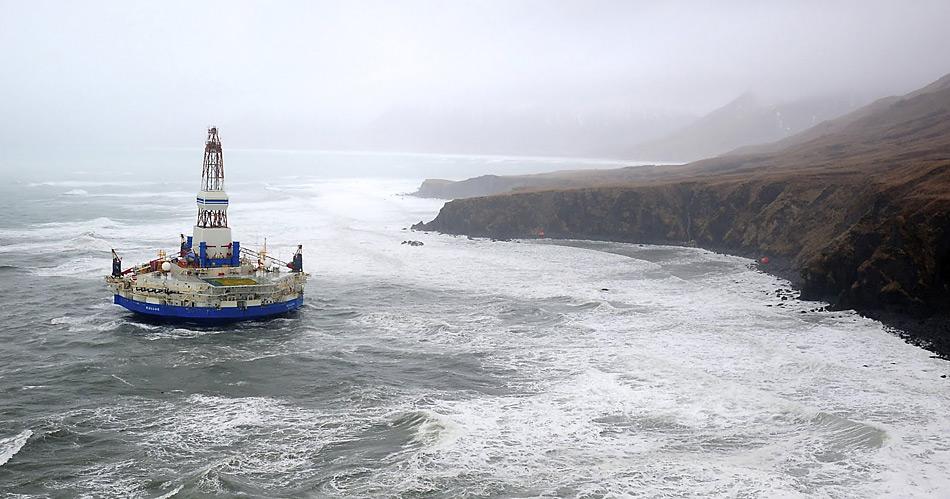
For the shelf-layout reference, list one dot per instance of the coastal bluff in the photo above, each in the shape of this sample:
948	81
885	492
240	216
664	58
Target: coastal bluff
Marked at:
861	211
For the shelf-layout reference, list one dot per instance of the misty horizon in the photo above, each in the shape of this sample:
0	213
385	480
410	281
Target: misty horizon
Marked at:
396	76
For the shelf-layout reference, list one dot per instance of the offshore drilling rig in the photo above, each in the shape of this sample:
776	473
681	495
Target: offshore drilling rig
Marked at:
211	278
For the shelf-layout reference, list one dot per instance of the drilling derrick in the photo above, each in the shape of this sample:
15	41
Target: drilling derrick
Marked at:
212	172
212	234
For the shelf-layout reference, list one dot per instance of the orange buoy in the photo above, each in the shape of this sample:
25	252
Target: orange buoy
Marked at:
764	260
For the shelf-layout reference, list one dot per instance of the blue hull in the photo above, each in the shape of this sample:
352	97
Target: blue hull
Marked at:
208	314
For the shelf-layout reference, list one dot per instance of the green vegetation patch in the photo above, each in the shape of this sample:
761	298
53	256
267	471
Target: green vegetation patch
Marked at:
231	281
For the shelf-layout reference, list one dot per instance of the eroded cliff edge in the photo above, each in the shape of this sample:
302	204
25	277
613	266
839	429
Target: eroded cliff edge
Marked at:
861	213
855	247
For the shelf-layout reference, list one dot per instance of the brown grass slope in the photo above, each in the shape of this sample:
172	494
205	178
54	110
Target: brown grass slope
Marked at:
744	121
863	211
488	185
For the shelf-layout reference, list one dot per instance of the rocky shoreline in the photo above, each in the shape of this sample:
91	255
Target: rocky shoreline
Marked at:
931	332
844	244
855	211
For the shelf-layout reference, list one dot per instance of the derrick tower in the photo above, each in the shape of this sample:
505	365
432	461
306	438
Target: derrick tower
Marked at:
212	234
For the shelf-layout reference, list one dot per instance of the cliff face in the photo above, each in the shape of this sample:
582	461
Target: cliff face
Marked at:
856	246
892	259
862	213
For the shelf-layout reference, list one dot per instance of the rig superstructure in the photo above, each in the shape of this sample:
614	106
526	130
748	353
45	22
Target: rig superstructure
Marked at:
212	278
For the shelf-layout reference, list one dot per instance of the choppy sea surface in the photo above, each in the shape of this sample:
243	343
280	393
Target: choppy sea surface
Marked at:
458	368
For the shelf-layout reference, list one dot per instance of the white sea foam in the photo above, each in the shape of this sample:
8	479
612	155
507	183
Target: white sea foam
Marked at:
83	268
171	493
100	321
687	376
9	446
600	369
278	440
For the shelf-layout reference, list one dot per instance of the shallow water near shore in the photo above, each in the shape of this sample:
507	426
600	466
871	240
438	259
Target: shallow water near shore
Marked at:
461	367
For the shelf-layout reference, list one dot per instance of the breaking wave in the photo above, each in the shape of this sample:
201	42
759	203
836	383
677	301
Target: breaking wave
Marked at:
11	445
461	367
94	183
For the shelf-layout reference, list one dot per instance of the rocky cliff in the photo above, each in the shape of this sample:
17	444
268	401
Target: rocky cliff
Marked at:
487	185
862	212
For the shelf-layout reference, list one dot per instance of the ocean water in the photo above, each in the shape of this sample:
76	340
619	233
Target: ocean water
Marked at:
458	368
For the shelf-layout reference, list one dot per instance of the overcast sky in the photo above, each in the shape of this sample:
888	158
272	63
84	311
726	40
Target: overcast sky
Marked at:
279	74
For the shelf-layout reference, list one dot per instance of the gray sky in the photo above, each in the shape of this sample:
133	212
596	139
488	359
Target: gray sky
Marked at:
303	74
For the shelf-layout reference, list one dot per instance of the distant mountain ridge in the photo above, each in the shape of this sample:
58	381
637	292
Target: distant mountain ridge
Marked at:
527	131
745	121
606	130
